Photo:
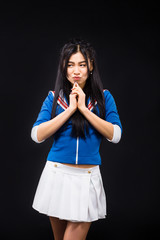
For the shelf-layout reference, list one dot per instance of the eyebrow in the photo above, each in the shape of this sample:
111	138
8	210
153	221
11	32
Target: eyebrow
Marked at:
78	62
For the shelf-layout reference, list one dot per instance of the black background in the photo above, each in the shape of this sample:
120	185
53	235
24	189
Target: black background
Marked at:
126	38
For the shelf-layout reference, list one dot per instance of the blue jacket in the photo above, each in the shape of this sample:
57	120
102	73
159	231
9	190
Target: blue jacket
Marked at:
66	149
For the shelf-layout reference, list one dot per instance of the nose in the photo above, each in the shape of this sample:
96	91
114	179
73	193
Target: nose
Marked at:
76	70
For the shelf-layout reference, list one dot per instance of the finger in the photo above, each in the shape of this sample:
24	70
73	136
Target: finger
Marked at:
75	84
75	90
74	94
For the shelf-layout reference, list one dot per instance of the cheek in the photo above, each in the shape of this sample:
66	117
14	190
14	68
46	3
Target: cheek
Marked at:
69	72
85	73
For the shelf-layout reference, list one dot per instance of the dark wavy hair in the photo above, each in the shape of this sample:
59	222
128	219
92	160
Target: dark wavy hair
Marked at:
93	87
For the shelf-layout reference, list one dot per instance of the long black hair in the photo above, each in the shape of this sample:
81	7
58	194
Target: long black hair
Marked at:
93	87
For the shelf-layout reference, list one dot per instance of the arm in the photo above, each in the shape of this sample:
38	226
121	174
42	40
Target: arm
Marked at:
46	129
110	131
110	127
102	126
45	126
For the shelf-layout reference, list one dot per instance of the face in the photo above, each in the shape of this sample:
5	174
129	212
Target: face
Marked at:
77	69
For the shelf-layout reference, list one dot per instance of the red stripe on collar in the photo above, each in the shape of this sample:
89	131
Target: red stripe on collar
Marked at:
62	103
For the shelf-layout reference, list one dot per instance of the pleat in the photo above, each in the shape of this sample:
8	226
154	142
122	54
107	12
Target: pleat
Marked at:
44	190
99	202
70	194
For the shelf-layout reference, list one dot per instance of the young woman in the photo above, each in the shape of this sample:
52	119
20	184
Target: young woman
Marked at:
77	114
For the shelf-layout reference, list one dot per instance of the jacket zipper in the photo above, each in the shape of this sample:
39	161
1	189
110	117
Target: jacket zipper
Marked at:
77	150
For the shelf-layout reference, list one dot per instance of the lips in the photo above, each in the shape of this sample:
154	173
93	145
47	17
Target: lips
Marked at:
76	78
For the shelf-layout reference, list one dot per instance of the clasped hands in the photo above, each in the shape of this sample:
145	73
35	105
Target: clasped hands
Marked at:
77	98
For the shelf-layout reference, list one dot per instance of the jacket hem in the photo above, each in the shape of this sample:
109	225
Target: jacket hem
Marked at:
80	162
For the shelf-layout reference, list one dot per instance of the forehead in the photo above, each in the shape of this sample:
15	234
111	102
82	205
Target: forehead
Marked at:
77	57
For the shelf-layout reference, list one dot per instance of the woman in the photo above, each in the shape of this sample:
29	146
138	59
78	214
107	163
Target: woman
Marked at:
77	114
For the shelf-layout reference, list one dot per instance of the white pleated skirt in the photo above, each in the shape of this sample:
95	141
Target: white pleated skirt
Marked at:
70	193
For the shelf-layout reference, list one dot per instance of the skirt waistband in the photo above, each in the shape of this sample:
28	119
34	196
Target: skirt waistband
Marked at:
74	170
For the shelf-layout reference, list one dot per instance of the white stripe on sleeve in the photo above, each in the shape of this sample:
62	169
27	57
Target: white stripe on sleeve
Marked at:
116	134
34	135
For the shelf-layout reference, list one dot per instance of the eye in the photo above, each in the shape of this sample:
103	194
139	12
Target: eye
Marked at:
70	65
83	65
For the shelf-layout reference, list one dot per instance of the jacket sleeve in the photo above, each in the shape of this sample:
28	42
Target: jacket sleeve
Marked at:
46	110
111	112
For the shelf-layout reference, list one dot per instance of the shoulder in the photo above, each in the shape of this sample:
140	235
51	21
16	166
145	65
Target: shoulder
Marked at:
49	98
51	93
106	93
109	99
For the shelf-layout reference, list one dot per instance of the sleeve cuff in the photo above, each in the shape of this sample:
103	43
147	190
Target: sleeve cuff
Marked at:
34	135
116	134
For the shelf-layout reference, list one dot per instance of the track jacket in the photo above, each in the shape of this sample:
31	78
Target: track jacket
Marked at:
67	149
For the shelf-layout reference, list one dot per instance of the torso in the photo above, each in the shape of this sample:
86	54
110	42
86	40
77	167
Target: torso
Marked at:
79	165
